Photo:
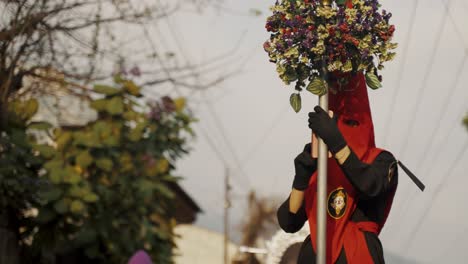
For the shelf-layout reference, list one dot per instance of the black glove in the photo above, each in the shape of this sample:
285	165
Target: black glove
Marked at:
325	128
304	166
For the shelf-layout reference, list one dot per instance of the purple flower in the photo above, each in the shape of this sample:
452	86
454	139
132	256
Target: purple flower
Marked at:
135	71
168	104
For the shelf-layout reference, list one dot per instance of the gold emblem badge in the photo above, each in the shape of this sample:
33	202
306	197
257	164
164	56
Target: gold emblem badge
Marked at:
337	202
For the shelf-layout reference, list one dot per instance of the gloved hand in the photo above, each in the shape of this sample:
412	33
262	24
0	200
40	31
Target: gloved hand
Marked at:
304	166
325	128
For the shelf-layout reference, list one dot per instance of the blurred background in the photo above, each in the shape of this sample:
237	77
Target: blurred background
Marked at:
130	125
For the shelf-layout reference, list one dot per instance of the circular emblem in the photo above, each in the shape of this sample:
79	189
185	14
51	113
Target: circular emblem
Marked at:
337	203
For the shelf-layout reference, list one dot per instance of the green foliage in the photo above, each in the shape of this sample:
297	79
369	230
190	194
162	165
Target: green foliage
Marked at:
295	101
372	80
109	192
318	86
19	159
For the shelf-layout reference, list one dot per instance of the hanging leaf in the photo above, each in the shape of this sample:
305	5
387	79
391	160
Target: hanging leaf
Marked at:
317	86
372	80
107	90
295	101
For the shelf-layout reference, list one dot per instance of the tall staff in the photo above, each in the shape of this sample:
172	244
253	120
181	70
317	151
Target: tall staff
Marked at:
322	180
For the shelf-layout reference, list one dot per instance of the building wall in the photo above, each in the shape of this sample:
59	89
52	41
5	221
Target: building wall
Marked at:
200	246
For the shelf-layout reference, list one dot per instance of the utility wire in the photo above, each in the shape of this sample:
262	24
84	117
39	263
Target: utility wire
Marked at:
458	158
401	68
424	84
429	147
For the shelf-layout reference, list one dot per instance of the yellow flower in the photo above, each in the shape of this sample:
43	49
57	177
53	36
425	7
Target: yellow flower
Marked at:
335	66
292	53
326	12
348	66
351	14
319	49
322	32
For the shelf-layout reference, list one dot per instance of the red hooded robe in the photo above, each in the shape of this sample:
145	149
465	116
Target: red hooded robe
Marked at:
349	103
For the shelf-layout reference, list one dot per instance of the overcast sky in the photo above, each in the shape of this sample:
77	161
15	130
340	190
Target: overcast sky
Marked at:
417	116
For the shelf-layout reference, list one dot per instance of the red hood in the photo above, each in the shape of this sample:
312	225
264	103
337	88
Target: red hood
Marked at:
350	102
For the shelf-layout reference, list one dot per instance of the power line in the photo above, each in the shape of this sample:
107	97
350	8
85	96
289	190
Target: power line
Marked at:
400	72
437	191
256	147
424	84
437	128
218	122
456	81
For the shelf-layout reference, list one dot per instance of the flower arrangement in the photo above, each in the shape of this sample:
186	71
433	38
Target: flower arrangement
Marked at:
313	44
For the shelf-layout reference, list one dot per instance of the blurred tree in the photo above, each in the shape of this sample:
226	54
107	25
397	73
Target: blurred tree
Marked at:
75	42
20	164
261	216
465	121
108	194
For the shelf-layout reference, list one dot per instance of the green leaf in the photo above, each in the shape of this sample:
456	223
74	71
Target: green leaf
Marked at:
317	86
372	80
46	151
105	164
115	106
295	101
56	176
51	195
40	125
164	190
77	207
99	105
291	74
53	165
45	215
63	139
30	109
77	192
85	236
84	159
90	197
131	88
60	207
71	177
107	90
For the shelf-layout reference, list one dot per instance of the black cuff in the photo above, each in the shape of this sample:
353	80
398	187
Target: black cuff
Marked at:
338	144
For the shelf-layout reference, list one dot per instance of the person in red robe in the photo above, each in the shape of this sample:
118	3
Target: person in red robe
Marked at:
362	181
